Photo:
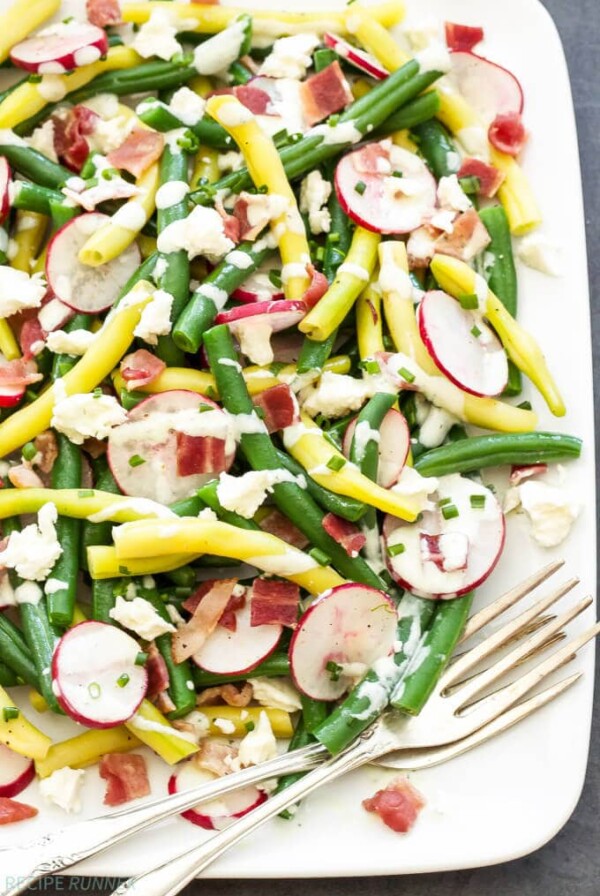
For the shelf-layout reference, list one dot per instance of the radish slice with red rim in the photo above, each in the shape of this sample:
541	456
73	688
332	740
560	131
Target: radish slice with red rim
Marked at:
259	286
489	88
364	62
16	772
172	444
393	440
214	814
462	345
95	676
340	635
11	396
61	48
452	548
237	652
81	287
254	324
5	181
385	188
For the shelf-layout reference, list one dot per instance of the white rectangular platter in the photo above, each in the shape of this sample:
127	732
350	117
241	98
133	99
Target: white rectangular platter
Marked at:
511	796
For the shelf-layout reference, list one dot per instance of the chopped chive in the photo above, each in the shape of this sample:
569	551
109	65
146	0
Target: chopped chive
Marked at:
334	669
336	463
443	501
123	680
97	393
360	187
333	238
141	659
319	557
275	277
333	120
525	405
468	301
262	189
124	570
249	726
30	395
10	712
477	502
136	461
397	174
370	366
35	79
406	375
29	451
449	511
211	393
395	549
470	185
475	331
94	690
276	367
205	407
85	493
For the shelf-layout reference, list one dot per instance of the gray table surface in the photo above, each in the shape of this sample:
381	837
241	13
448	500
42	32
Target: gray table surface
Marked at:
570	864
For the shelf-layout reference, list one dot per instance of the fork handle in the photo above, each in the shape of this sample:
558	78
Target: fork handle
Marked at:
170	877
54	853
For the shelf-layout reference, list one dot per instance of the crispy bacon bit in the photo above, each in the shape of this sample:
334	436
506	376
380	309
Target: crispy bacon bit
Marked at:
462	37
199	454
11	811
228	618
526	471
22	476
192	636
490	178
94	447
275	523
468	238
136	154
126	777
249	231
47	449
70	132
449	551
214	756
141	368
372	159
318	286
164	703
398	805
324	93
274	602
228	693
345	533
19	373
420	246
279	407
103	12
507	133
253	98
32	337
158	674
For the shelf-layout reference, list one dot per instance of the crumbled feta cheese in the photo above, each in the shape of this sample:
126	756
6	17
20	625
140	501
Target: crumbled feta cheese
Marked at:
276	693
218	52
19	291
434	58
244	494
540	254
314	193
34	550
451	195
82	416
62	788
201	233
291	56
109	134
259	745
42	139
28	593
106	105
187	106
76	342
413	485
551	511
336	395
156	37
229	161
156	318
140	617
264	207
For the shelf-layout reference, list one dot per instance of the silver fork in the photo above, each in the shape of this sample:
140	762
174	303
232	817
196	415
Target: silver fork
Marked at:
449	716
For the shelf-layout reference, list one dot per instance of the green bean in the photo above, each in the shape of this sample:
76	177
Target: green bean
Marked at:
323	57
138	79
130	400
239	73
66	473
290	498
158	116
348	508
274	666
8	678
419	110
99	533
437	148
479	452
199	314
314	714
104	595
61	364
145	271
15	652
35	166
182	577
181	688
208	494
35	198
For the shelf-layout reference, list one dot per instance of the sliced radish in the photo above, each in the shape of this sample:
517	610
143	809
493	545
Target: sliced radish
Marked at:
214	814
490	89
236	652
172	444
258	286
358	58
81	287
462	345
95	676
393	445
254	324
61	48
16	772
385	188
341	634
11	396
5	181
451	549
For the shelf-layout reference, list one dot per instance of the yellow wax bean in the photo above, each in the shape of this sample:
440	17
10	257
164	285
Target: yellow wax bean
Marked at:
92	504
457	278
86	749
110	240
8	344
368	322
102	356
30	230
27	100
241	717
307	444
150	537
402	138
103	563
19	734
376	39
352	276
153	729
23	17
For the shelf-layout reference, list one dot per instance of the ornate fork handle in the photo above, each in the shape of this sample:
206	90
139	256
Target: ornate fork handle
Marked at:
53	853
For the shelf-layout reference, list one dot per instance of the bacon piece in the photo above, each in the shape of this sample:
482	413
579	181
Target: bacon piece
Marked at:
19	373
32	337
141	368
526	471
164	703
398	805
70	144
448	551
228	619
490	178
253	98
279	407
468	238
274	602
158	674
140	149
345	533
462	37
199	454
47	448
319	285
193	635
126	776
276	523
372	159
22	476
324	93
507	133
11	811
103	12
228	693
214	756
